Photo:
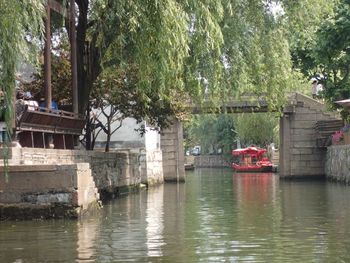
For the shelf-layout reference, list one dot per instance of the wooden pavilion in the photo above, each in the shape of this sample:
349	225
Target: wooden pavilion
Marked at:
46	127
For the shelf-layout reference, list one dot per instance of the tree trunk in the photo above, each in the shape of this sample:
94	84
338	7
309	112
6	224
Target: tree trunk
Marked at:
108	140
88	57
88	130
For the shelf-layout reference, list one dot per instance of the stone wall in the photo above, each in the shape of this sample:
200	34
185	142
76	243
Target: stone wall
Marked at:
212	161
154	167
54	190
338	163
109	170
300	156
111	173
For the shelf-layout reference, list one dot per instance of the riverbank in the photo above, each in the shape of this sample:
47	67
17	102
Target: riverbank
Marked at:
50	183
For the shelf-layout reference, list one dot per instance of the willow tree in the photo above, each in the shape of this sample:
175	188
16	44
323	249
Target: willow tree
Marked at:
157	38
190	49
220	133
259	39
177	49
18	20
259	129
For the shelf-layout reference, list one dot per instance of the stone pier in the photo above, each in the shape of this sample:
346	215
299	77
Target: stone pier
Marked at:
300	156
173	153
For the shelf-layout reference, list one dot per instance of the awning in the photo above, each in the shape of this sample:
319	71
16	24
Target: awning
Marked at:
249	150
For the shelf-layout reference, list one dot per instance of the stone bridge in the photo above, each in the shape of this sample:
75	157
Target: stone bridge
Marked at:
301	154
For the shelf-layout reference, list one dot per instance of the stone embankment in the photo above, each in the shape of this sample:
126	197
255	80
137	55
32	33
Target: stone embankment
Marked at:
50	183
338	163
212	161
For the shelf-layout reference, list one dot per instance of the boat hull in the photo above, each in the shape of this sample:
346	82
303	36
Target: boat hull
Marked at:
252	168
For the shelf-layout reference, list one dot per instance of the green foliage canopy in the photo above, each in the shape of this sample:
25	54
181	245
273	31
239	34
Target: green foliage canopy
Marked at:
325	51
223	131
174	50
191	49
257	128
212	132
332	53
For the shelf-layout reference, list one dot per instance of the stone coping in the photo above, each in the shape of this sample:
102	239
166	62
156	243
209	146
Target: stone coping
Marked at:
43	167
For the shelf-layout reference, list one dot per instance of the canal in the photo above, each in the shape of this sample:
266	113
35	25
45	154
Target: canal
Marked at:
216	216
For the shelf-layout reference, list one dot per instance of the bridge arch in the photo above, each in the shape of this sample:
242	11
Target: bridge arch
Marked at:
302	150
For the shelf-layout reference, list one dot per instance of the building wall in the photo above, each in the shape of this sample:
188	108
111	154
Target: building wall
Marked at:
147	146
125	137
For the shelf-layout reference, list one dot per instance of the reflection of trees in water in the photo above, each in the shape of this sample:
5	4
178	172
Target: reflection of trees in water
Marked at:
87	238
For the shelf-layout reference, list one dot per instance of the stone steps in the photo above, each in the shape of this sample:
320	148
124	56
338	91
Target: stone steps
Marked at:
316	105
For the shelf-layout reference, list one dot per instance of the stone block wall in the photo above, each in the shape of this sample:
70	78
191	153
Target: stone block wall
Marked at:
212	161
54	173
154	167
109	170
46	191
113	169
338	163
299	155
173	153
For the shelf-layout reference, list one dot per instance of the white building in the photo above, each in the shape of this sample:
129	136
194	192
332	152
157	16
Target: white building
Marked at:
127	138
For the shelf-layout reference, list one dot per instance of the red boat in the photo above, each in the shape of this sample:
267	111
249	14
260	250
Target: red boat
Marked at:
251	159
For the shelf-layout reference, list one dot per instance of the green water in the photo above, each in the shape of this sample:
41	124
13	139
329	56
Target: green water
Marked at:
216	216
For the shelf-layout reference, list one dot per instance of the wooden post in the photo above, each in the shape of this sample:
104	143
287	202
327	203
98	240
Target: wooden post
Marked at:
73	55
47	57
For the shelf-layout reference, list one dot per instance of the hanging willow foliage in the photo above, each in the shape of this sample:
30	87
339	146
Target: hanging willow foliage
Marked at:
172	50
198	49
21	22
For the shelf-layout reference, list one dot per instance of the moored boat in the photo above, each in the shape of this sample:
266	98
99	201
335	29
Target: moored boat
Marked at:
251	159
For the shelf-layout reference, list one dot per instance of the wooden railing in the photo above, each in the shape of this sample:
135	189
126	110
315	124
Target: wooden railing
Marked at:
48	128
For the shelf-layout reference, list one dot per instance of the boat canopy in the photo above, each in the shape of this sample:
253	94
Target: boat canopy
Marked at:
250	151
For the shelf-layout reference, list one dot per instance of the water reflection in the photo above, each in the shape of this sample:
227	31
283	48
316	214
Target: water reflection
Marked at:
315	213
154	219
216	216
256	188
37	241
257	199
87	238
